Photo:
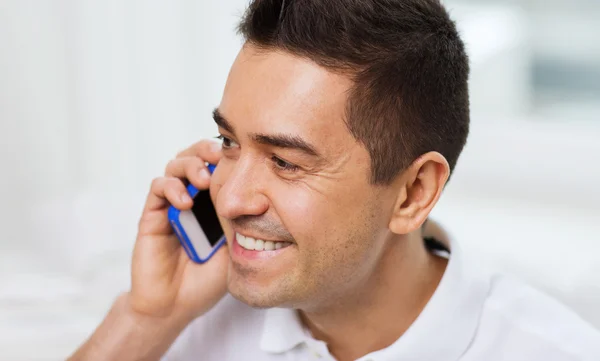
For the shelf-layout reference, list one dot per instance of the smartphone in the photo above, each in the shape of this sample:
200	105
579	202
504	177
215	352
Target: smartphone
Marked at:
198	229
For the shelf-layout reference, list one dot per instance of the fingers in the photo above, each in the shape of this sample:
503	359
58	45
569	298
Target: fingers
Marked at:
189	165
208	151
168	190
192	169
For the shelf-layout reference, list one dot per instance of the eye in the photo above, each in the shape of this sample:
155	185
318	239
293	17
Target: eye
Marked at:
227	142
281	164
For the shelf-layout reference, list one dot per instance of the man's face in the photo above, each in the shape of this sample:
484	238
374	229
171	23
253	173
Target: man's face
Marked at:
291	173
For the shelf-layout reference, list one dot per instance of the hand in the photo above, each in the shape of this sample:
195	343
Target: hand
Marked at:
165	282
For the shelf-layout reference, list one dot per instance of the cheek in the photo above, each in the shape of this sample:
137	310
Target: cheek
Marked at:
322	220
338	237
300	213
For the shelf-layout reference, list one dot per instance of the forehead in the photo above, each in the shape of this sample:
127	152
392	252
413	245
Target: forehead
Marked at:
276	92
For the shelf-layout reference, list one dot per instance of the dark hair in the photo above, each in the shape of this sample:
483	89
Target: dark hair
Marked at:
406	58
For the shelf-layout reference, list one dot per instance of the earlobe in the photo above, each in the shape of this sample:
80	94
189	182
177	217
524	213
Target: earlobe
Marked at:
421	187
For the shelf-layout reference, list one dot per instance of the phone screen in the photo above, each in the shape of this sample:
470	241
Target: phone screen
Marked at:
205	213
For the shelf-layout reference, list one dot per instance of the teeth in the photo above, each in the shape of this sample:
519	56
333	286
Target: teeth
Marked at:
259	245
241	239
252	244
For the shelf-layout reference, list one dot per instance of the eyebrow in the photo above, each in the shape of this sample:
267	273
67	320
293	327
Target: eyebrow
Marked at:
222	122
286	141
276	140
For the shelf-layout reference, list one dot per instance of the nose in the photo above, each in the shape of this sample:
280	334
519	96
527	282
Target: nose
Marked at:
241	194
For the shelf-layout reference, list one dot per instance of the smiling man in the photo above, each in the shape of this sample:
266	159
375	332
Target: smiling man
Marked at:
292	173
341	122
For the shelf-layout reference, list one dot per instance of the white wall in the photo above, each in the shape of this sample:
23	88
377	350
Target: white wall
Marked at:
100	89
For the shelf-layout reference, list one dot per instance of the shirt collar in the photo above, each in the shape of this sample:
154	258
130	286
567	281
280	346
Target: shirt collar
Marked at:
442	331
282	330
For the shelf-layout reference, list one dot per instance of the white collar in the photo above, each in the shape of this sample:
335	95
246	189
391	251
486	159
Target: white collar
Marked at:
442	331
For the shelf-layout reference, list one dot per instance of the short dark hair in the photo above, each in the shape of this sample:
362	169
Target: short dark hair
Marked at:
407	61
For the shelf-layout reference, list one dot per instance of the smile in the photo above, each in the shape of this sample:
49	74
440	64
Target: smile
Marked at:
252	244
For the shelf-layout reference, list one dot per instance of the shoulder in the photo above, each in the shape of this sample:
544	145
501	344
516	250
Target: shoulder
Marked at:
525	323
230	322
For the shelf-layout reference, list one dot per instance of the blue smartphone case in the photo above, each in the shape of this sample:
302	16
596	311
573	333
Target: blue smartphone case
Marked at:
187	245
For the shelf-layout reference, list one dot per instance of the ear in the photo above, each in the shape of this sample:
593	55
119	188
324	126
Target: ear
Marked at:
420	188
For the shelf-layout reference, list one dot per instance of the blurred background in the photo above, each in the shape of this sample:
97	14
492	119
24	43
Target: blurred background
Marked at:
97	96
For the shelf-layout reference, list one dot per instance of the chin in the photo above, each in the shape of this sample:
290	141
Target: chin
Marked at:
268	295
255	301
255	298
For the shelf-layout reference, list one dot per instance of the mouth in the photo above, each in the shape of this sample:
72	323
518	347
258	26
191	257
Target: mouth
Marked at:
252	244
250	249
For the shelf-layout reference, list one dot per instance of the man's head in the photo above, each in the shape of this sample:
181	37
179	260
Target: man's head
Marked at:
342	121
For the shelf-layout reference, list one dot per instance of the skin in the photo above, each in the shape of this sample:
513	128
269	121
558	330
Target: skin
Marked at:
357	247
357	270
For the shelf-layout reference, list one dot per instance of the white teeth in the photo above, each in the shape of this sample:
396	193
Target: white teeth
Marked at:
241	239
259	245
252	244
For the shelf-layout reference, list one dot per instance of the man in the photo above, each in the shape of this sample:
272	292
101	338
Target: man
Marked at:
341	123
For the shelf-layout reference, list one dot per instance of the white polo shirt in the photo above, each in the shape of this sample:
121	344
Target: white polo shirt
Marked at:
474	315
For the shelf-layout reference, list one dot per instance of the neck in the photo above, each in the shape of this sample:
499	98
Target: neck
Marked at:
383	307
